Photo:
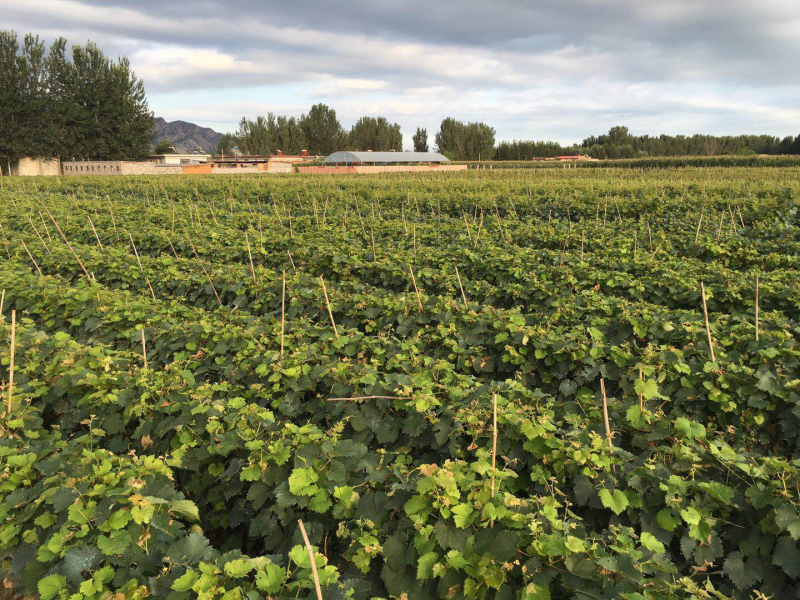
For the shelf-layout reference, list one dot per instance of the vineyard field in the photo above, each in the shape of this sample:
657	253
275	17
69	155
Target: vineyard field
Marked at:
513	384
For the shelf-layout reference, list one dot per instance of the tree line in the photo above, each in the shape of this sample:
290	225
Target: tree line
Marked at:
619	143
69	103
318	131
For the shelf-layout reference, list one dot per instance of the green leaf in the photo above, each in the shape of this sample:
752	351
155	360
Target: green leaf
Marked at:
117	520
614	500
187	508
690	515
734	567
575	544
650	542
425	565
691	429
462	515
646	387
270	580
115	543
667	520
787	556
238	568
302	482
50	586
185	582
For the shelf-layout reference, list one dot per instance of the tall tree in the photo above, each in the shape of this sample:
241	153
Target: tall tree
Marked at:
420	139
227	144
370	133
86	107
322	130
465	141
23	126
256	136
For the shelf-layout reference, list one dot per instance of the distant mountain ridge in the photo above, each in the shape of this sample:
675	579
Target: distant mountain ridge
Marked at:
186	137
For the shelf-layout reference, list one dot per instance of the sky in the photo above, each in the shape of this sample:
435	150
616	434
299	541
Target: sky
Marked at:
556	70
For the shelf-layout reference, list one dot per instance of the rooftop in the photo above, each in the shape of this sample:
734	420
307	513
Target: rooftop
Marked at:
347	157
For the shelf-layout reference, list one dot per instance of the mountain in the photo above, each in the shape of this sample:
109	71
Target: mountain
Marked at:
186	137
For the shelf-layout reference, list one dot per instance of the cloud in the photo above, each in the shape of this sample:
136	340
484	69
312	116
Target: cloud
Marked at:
562	69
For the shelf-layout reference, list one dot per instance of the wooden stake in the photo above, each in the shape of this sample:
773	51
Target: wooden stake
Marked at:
469	233
250	256
312	559
463	295
416	289
756	307
494	443
11	360
202	266
605	414
292	261
641	396
699	223
2	300
283	310
705	315
372	236
144	350
67	242
99	243
152	293
32	259
328	304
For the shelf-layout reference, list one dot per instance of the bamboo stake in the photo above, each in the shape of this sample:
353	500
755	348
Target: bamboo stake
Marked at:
463	295
756	307
2	300
699	223
202	266
354	398
478	234
11	360
36	231
99	243
312	559
469	233
605	415
494	442
328	304
292	261
415	241
144	350
46	230
283	310
66	241
416	289
152	293
705	315
372	237
641	396
250	256
32	259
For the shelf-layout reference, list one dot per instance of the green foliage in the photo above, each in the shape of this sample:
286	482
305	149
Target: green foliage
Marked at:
187	478
376	134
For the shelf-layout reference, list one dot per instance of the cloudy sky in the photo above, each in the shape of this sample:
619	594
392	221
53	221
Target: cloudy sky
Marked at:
556	69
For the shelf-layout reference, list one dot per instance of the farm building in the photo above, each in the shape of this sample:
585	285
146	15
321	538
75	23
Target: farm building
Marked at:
382	162
32	166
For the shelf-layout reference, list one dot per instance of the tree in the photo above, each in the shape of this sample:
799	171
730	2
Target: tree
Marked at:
163	147
227	144
23	123
376	134
255	137
465	141
323	132
420	139
86	107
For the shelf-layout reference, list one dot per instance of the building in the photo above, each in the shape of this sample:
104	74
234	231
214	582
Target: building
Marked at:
119	167
179	159
382	162
32	166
